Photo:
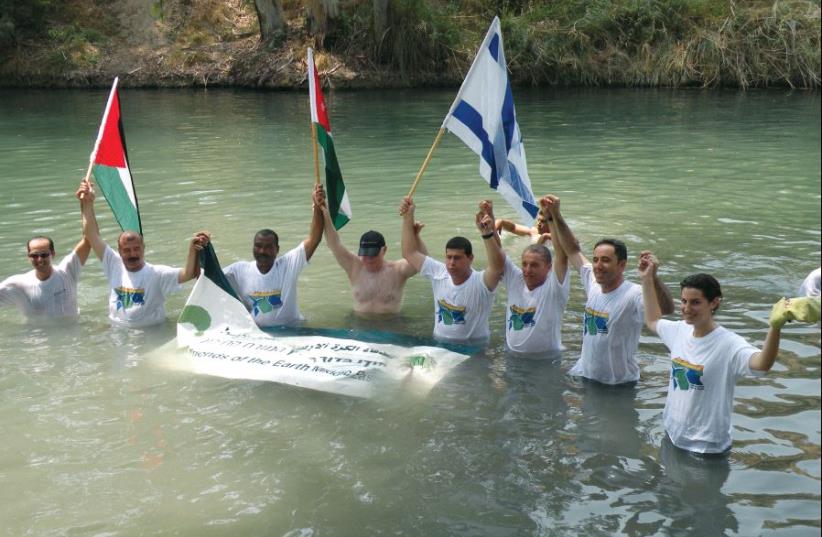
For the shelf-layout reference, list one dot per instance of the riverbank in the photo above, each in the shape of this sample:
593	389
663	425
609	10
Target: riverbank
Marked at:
201	43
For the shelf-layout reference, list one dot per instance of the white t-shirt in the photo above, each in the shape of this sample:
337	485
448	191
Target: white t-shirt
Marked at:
272	297
704	371
811	285
460	311
610	331
54	297
534	317
138	298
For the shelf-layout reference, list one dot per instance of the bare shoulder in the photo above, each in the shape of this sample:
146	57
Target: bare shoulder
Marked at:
402	268
399	264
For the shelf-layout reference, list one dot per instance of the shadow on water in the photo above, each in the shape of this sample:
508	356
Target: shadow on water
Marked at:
374	331
690	492
646	489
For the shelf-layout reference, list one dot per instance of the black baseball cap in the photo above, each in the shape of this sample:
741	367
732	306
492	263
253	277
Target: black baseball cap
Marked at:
370	243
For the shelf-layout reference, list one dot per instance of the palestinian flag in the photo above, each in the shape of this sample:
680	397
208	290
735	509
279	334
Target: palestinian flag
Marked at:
212	270
110	166
337	198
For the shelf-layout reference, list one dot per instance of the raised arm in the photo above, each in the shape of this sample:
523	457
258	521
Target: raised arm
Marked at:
421	247
315	234
496	257
663	294
764	359
805	309
560	264
501	224
406	269
410	243
347	260
561	232
82	250
192	268
650	300
91	232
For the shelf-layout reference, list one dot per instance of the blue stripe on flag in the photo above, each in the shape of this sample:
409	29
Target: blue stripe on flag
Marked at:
509	120
532	209
521	190
468	116
493	47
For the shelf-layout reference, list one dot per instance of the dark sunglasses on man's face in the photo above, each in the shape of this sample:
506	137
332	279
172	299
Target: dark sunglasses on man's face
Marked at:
41	255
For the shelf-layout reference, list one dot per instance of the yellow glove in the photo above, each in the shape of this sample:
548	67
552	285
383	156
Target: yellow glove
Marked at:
805	309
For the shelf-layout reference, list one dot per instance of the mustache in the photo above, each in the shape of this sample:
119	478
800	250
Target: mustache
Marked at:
132	259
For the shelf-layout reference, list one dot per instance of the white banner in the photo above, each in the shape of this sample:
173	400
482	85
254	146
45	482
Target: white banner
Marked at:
221	339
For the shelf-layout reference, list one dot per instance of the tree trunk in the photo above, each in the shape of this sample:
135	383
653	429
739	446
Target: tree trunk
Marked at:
381	15
272	20
321	17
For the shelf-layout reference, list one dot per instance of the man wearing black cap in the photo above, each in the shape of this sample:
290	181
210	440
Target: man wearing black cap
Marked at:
376	283
462	296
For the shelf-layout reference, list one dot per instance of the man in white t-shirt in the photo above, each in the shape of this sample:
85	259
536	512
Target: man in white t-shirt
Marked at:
462	296
706	362
376	283
812	284
268	285
613	308
46	291
537	296
138	289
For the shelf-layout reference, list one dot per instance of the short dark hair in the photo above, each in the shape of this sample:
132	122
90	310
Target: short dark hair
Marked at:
40	237
620	249
705	283
539	249
130	234
265	233
460	243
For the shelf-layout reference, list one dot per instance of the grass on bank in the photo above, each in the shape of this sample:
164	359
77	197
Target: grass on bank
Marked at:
751	43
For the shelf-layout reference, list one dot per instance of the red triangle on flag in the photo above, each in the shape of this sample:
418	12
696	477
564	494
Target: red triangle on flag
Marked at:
111	151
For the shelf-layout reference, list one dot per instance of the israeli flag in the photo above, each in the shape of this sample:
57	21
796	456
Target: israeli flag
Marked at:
483	117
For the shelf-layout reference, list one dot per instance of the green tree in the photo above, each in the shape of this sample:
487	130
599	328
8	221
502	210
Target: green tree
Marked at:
20	19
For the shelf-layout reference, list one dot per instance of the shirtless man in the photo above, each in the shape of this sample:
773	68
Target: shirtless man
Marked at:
376	283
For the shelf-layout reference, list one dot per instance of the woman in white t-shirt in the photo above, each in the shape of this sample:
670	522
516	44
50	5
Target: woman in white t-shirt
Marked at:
706	361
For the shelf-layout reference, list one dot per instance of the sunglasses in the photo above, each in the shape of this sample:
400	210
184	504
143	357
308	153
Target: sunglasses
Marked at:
41	255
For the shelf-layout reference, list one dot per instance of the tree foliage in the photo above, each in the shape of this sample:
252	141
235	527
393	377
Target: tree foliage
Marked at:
21	19
750	43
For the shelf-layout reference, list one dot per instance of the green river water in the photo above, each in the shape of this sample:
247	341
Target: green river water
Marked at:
98	441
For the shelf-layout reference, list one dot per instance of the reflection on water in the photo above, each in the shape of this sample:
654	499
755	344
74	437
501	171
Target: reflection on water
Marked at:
694	491
98	441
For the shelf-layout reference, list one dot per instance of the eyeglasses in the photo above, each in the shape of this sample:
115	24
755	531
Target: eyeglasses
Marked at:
41	255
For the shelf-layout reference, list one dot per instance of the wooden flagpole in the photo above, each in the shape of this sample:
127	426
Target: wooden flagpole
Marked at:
426	161
316	154
312	103
88	172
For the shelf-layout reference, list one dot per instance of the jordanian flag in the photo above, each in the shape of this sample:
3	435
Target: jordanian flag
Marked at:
110	166
337	198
